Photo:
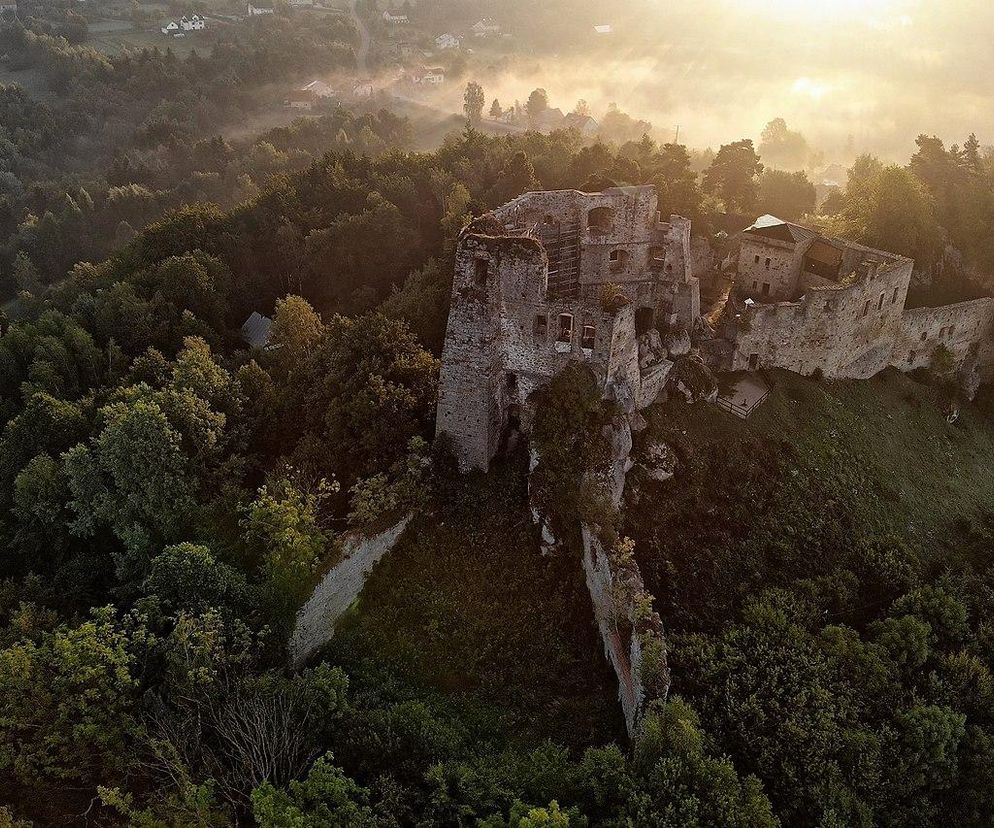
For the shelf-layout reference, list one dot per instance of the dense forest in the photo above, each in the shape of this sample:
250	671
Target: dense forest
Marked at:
170	497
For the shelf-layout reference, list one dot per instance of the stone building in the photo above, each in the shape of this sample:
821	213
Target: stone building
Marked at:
530	293
807	303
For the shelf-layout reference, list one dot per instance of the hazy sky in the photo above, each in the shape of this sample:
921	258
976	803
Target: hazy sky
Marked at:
879	70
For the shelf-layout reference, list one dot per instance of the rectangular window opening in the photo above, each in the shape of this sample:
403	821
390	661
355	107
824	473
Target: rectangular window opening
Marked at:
588	337
565	328
541	326
482	268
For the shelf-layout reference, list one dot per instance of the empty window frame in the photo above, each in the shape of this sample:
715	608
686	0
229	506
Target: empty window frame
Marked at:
880	302
482	269
768	262
617	258
565	328
588	337
600	220
541	326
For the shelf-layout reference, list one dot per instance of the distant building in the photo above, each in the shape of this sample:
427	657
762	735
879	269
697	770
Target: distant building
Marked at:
8	11
549	120
604	29
256	329
394	19
487	27
428	77
301	99
586	125
362	89
447	41
177	28
319	89
299	4
256	11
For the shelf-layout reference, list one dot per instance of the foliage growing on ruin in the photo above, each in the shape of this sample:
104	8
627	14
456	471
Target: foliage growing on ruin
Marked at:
613	297
574	451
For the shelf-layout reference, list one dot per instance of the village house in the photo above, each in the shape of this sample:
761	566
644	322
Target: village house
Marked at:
487	27
394	19
447	41
584	124
8	11
300	99
429	77
257	11
300	4
319	89
196	23
362	89
549	120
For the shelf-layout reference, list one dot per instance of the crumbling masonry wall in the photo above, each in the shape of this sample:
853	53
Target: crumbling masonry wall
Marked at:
526	300
632	633
965	330
843	330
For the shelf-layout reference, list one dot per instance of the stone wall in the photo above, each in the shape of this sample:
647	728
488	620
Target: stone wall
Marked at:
631	631
627	244
509	332
965	329
339	589
843	330
505	338
767	268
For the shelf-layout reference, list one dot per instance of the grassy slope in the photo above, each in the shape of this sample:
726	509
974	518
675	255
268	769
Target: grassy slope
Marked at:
467	605
792	492
890	430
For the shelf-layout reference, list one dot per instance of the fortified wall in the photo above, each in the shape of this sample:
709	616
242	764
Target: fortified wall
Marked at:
807	303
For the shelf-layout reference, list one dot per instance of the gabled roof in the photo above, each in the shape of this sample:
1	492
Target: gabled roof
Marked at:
255	330
771	227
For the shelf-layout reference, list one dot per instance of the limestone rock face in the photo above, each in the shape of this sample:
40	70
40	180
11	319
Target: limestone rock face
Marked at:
651	349
694	379
619	432
660	461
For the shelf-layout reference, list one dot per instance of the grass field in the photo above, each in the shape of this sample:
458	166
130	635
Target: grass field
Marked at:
467	605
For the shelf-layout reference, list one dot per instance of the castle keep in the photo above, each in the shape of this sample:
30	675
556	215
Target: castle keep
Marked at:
530	293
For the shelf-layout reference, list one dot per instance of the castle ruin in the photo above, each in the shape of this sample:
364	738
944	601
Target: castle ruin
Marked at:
531	292
601	278
809	303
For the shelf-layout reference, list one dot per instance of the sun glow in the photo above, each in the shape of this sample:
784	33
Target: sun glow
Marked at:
843	11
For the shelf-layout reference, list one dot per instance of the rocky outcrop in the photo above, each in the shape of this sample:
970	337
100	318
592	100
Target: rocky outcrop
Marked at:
659	461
